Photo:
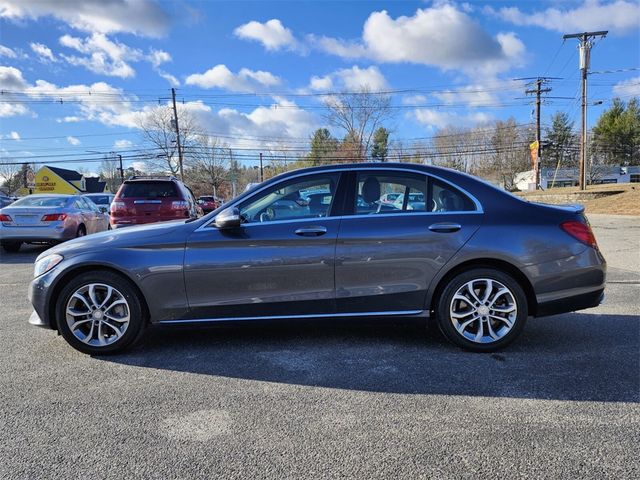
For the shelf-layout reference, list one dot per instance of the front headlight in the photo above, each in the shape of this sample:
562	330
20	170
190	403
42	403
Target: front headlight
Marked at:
46	263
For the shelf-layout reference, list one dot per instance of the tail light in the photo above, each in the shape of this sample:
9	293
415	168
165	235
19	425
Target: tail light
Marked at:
4	218
580	231
54	217
179	205
117	208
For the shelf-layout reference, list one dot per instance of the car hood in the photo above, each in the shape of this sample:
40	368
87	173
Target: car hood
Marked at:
129	237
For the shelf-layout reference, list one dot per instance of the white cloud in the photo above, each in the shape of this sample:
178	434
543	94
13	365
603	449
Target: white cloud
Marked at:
142	17
11	79
471	95
14	136
103	55
271	34
158	57
620	16
436	119
122	144
140	166
280	119
69	119
627	88
7	52
244	81
413	99
12	110
441	36
350	79
73	141
43	52
173	81
319	84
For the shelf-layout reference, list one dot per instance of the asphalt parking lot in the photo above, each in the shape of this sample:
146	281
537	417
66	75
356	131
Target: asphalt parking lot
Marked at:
360	399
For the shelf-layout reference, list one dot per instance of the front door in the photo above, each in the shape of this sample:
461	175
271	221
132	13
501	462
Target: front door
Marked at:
402	228
279	262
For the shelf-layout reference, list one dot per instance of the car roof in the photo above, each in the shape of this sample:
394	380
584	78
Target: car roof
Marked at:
49	195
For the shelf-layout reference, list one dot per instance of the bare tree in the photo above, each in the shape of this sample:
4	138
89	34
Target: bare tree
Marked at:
209	164
110	173
358	115
11	175
158	129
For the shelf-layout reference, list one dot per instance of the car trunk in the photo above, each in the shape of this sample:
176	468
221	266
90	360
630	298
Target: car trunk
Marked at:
30	216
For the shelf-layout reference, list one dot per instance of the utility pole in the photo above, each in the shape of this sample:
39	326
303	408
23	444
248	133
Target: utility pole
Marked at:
538	91
121	169
585	60
175	120
261	169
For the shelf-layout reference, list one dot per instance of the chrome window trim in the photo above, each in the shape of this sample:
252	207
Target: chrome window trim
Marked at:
293	317
476	202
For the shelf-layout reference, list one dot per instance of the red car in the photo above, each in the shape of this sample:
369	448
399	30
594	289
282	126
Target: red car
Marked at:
152	199
208	203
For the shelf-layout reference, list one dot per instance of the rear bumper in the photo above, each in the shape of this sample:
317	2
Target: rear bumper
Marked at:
47	233
571	304
570	284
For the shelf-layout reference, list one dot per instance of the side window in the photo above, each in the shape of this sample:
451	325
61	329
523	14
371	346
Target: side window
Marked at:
306	197
79	204
445	198
381	192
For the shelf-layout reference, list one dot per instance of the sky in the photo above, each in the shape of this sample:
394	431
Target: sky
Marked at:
77	76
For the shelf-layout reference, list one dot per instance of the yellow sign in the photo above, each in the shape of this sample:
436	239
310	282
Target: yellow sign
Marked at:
534	152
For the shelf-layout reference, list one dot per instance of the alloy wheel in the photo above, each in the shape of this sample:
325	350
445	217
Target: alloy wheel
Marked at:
483	310
97	314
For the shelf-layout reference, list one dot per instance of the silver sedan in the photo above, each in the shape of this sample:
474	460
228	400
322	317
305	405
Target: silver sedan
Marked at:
49	218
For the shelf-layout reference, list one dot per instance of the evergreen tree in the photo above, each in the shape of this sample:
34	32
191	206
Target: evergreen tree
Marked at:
616	136
380	147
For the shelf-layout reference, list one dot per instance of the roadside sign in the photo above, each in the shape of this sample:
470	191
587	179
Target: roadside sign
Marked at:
31	179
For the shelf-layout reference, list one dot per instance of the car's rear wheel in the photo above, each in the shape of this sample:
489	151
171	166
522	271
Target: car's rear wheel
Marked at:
482	310
11	247
81	231
100	313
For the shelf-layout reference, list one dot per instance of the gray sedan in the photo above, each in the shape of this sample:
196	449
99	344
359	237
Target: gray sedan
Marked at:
49	219
475	259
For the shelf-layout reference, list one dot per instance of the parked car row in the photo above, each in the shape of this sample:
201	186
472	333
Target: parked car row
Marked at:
54	218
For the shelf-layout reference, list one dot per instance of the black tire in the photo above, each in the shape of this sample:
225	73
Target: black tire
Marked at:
137	316
11	247
446	322
82	231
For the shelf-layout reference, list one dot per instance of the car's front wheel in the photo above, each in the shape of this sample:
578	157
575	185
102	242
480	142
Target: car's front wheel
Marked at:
100	313
482	310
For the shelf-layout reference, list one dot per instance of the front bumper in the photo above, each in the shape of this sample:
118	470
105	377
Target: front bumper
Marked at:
39	293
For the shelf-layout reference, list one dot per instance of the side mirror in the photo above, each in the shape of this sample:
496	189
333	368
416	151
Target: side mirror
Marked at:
229	218
103	209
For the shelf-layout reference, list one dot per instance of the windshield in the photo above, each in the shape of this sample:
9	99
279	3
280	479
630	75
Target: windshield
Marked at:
100	199
148	190
40	202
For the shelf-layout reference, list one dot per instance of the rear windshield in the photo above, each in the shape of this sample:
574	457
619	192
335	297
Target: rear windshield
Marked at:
40	202
100	199
153	189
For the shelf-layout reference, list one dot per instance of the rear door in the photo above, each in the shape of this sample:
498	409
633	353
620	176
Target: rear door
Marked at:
387	255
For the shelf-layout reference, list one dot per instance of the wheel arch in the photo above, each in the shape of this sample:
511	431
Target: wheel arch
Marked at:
493	263
68	274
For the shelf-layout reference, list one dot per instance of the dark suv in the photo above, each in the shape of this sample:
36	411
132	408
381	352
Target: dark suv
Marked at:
152	199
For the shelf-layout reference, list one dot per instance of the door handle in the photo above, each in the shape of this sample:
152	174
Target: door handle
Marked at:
311	231
445	227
